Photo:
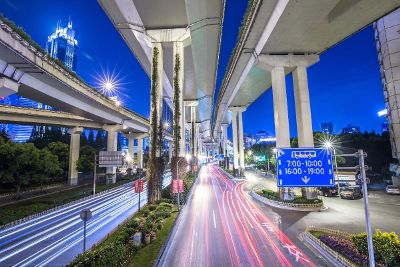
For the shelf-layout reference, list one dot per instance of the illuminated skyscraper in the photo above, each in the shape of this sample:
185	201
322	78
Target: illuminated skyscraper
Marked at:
63	46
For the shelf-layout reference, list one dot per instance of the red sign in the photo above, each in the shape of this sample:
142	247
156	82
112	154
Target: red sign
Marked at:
177	186
139	185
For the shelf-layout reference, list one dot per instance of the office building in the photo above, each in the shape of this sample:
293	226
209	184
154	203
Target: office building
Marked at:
63	46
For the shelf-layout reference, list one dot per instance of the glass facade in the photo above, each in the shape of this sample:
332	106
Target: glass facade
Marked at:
63	46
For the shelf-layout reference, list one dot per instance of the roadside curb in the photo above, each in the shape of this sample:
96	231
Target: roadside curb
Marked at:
287	206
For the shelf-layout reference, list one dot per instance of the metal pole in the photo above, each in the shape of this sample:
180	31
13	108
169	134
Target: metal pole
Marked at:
84	236
139	193
366	209
94	175
336	176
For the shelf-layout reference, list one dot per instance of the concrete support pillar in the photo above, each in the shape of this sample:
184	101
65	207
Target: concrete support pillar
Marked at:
140	152
157	108
241	146
225	144
192	130
281	118
112	140
235	140
179	51
276	65
303	110
170	149
131	140
74	154
196	140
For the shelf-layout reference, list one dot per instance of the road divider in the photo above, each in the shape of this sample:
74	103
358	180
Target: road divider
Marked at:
289	206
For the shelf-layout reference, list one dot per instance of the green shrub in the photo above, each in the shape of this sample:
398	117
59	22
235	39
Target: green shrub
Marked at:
386	247
146	213
152	207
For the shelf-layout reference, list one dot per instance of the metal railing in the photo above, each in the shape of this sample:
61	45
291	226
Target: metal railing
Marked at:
33	190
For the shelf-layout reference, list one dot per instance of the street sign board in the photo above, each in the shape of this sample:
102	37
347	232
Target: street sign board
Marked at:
304	167
111	158
219	157
139	185
85	214
260	158
177	186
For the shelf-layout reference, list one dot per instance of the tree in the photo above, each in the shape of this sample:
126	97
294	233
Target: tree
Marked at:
48	167
99	141
85	162
91	138
61	150
19	163
4	135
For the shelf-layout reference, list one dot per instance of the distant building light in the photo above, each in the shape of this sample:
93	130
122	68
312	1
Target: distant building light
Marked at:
383	112
268	139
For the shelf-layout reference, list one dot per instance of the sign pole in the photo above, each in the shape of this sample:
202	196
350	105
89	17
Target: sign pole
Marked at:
361	156
84	236
85	215
139	192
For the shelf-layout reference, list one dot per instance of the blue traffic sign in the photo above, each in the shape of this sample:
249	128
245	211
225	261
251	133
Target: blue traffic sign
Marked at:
304	167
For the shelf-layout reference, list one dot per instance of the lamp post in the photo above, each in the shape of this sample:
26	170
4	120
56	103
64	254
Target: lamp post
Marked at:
329	145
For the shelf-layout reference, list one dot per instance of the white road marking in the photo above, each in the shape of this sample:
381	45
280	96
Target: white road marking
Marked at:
215	224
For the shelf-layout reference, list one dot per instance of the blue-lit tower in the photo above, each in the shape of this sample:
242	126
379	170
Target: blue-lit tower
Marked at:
63	46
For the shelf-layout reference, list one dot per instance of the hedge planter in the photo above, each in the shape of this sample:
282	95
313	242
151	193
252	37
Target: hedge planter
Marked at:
289	205
344	249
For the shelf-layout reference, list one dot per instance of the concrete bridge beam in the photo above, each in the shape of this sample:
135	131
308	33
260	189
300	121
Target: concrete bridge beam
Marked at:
8	87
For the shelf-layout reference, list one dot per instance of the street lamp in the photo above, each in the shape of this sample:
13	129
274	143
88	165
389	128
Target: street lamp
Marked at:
330	146
166	125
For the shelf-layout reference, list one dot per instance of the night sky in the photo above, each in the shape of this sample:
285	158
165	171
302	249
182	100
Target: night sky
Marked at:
345	86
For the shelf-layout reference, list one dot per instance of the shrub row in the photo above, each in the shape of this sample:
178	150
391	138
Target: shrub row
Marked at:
116	249
386	247
270	194
345	247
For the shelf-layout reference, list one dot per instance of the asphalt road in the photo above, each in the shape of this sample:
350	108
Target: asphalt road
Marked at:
342	214
221	226
55	239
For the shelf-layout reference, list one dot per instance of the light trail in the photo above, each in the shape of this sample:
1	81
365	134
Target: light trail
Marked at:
56	238
238	234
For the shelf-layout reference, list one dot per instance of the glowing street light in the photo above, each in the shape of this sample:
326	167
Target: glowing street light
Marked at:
108	85
274	150
118	103
250	153
128	158
328	144
166	125
188	157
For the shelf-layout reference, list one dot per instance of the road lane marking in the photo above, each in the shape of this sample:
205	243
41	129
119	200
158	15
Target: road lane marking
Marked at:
268	227
215	224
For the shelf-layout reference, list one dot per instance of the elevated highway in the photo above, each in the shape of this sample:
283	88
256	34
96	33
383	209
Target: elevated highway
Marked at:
279	37
190	28
38	77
